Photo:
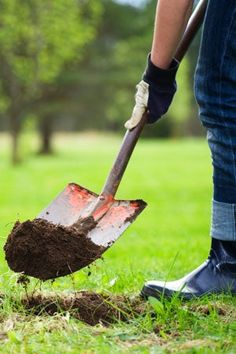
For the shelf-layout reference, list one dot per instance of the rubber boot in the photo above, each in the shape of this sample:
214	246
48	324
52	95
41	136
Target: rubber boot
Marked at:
216	275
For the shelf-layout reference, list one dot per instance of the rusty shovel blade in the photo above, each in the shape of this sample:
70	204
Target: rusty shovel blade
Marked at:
70	206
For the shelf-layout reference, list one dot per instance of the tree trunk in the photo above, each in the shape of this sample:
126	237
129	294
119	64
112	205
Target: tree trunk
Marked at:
15	132
46	130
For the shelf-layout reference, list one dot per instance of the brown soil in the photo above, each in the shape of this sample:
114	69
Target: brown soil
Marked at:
89	307
45	251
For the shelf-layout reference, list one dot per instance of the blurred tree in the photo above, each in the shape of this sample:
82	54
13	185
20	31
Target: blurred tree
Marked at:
37	38
94	88
46	131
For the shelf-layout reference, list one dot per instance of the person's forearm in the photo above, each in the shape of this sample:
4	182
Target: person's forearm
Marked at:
171	20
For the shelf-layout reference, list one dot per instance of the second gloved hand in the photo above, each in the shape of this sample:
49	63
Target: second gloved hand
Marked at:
154	93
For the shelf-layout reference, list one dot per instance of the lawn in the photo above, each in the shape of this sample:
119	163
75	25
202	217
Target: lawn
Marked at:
168	239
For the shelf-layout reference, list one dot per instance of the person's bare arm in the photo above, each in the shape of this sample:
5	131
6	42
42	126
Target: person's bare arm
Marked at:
171	20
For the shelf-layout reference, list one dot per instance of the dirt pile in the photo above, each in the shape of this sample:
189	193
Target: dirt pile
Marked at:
44	250
89	307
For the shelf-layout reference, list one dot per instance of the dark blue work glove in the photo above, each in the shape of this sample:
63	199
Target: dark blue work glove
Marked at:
154	92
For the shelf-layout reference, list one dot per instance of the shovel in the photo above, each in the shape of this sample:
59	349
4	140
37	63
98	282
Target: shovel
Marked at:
76	203
112	216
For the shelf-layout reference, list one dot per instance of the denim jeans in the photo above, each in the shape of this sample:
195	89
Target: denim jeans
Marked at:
215	91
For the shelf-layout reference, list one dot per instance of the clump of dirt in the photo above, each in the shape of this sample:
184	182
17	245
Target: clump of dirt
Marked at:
89	307
23	280
44	250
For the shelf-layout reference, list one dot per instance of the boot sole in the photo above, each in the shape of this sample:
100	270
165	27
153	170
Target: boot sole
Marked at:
160	293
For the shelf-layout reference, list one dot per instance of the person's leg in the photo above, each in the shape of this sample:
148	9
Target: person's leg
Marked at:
215	88
216	95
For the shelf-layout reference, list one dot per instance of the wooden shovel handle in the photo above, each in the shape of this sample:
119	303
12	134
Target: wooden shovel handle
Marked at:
131	136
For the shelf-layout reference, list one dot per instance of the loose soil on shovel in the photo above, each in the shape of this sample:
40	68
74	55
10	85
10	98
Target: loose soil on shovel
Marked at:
89	307
44	250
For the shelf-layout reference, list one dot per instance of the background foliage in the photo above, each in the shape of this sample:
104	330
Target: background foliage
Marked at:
73	66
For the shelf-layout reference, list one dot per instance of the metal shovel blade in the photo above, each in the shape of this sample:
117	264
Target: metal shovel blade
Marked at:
71	205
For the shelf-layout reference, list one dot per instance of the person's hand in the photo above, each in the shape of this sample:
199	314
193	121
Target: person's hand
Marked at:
154	93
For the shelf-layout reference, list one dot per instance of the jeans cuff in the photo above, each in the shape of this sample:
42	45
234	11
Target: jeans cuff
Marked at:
223	221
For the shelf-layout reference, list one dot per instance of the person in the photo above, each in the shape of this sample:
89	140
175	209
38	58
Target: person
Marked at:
215	91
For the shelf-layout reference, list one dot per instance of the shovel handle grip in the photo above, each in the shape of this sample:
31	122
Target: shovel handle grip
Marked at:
131	137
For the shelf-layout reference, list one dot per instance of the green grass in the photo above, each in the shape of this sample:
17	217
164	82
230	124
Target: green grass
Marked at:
168	239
